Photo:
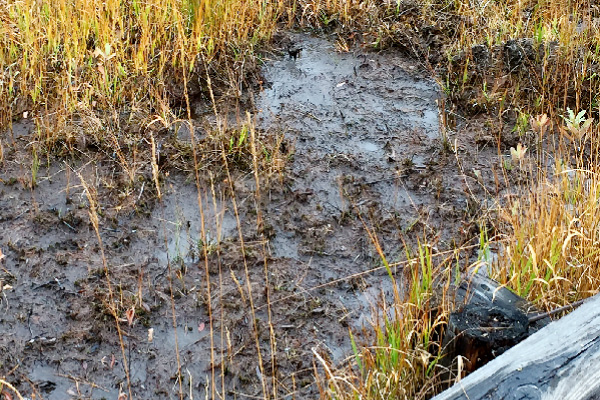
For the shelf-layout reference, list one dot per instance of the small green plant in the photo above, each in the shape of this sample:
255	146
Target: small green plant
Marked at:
484	257
237	145
522	123
326	19
422	277
207	248
577	125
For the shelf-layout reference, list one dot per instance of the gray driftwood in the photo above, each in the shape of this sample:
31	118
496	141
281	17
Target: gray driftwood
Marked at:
560	361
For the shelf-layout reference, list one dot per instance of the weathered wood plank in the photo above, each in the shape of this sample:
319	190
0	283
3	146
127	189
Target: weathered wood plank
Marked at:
560	361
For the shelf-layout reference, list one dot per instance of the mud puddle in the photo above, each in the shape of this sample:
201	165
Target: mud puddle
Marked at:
366	135
358	115
363	127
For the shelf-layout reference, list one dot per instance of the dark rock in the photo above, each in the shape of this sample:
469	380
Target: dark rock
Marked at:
294	52
517	51
481	56
481	333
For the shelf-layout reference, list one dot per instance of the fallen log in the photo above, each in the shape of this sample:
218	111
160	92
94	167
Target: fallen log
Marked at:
559	361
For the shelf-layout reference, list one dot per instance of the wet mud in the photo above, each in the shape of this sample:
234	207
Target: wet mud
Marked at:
290	270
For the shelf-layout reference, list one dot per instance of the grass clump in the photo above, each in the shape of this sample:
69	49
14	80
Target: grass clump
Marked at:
105	62
403	359
551	254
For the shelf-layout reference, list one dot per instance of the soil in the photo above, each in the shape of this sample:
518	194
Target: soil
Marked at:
291	266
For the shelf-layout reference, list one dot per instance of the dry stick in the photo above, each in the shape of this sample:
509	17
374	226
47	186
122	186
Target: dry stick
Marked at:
11	387
259	224
221	307
247	273
94	219
536	317
202	223
328	373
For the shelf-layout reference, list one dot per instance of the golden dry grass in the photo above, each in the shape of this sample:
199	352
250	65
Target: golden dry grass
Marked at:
551	254
92	61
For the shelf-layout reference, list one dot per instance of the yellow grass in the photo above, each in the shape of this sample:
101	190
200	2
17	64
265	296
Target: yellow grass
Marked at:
71	57
551	255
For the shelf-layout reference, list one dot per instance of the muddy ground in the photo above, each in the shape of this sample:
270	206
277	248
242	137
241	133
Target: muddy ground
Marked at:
363	150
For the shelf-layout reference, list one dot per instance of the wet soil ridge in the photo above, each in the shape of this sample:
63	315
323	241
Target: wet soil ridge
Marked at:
364	128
